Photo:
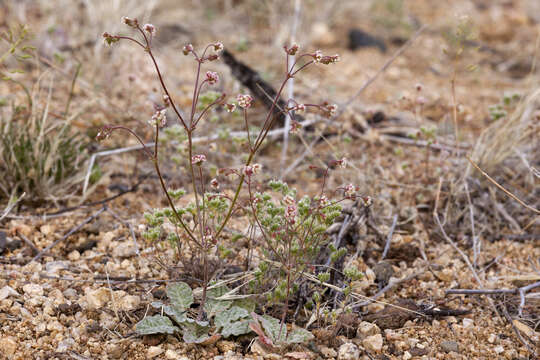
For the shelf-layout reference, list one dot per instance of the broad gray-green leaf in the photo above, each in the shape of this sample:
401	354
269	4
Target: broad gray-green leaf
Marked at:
299	336
179	315
156	325
236	328
246	303
180	295
272	327
223	319
195	333
213	306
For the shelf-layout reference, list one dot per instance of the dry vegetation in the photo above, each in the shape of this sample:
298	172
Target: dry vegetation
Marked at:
441	134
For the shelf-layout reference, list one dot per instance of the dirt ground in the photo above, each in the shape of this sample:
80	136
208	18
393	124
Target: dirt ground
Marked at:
83	296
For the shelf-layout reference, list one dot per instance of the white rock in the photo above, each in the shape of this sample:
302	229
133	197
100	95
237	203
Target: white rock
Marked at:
55	325
407	355
124	249
64	345
129	302
468	323
171	354
153	351
53	267
367	329
33	289
328	352
8	345
97	298
348	351
373	343
7	291
370	275
498	349
74	255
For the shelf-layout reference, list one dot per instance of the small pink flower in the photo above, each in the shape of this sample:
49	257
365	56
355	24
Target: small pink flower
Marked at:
289	200
248	171
323	201
350	190
292	50
212	57
295	127
230	107
332	109
198	159
212	77
317	56
342	163
218	46
130	22
256	168
104	133
290	213
187	49
244	101
300	108
214	183
159	117
149	28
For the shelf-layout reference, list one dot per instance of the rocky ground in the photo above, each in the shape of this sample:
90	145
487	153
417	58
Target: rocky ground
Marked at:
81	298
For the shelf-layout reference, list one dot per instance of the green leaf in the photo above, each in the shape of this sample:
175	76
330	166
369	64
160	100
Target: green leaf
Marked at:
299	335
179	315
246	303
229	316
213	306
156	325
180	295
194	333
236	328
272	327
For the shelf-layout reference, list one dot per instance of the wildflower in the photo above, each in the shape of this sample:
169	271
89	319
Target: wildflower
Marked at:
187	49
248	170
244	101
212	57
289	200
290	213
256	168
367	201
230	107
159	117
212	77
218	46
329	59
332	109
214	183
104	133
350	190
198	159
342	163
130	22
317	56
149	28
295	127
109	39
292	50
166	100
300	108
323	201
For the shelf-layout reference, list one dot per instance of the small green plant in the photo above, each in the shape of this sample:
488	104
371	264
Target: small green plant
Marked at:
506	105
201	222
39	155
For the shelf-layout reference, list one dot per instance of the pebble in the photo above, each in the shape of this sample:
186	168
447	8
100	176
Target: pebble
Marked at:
33	289
498	349
348	351
407	355
373	343
97	298
74	255
448	346
124	249
7	291
468	323
8	345
171	354
129	302
153	351
367	329
328	352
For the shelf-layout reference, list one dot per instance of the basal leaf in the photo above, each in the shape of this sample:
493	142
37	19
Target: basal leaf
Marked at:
272	327
180	295
229	316
299	336
195	333
236	328
156	325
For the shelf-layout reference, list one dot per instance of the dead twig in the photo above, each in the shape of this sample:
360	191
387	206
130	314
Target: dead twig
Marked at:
520	337
10	206
69	233
28	242
501	187
389	237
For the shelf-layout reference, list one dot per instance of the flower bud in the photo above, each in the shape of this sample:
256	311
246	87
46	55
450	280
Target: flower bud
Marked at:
218	46
187	49
130	22
149	28
212	77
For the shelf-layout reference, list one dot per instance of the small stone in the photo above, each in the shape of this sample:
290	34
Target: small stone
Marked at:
153	351
115	351
8	345
171	354
33	289
124	250
226	346
373	343
97	298
55	325
129	302
367	329
492	338
407	355
328	352
468	323
449	346
64	345
70	293
46	229
258	349
348	351
7	291
74	255
498	349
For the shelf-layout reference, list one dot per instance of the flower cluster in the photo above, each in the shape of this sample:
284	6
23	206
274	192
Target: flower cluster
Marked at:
130	22
329	109
251	170
319	58
110	39
159	117
214	183
218	46
212	77
198	159
292	50
187	49
244	101
149	28
290	213
350	191
230	107
342	163
104	133
295	127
